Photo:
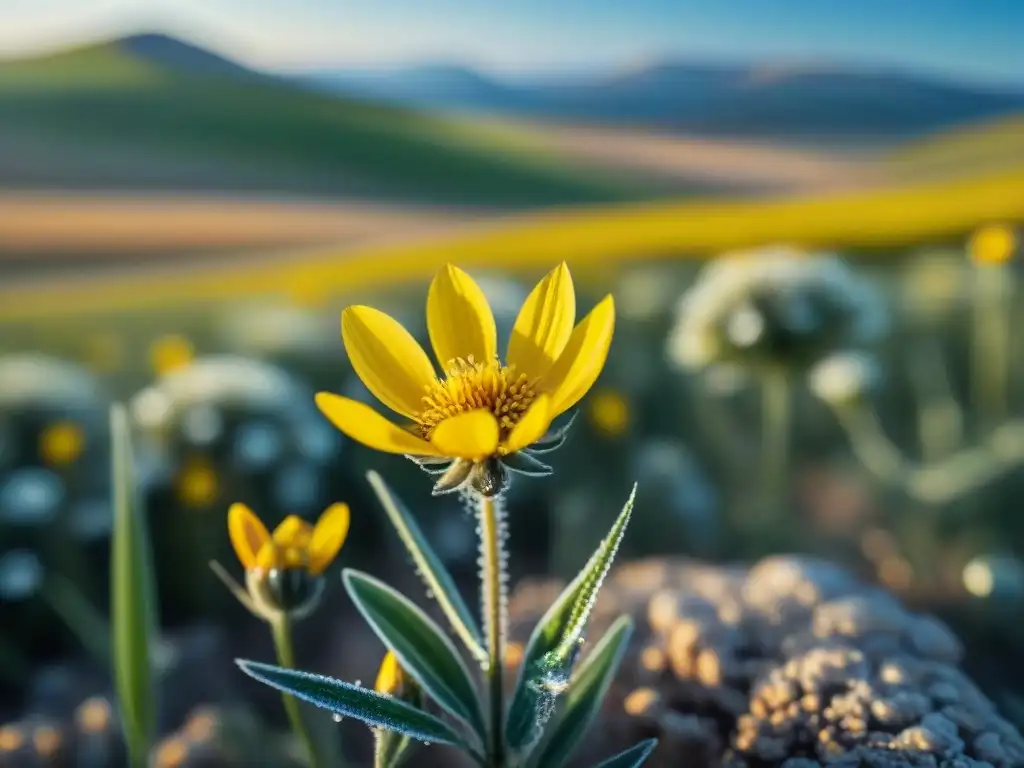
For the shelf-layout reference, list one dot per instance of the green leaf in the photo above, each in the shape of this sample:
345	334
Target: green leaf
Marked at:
584	696
554	644
423	650
374	709
430	568
133	598
633	757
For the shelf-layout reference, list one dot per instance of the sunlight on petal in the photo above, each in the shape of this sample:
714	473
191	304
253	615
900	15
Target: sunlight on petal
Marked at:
459	318
531	427
387	358
366	426
544	324
471	435
328	537
247	534
584	357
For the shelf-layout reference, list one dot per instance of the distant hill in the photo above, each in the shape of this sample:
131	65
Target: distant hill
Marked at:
156	112
177	55
773	102
986	147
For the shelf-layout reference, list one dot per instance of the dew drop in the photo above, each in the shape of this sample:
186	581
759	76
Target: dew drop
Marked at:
337	718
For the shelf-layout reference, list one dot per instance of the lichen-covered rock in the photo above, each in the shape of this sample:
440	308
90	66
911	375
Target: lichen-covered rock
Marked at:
792	663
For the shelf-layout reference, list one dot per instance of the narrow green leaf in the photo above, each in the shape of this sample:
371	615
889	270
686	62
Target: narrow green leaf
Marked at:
430	568
633	757
374	709
554	644
90	627
584	696
133	598
423	650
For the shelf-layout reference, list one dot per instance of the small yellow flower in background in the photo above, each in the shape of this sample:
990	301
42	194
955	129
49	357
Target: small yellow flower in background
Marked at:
609	412
393	680
61	443
283	570
480	417
994	244
197	485
170	353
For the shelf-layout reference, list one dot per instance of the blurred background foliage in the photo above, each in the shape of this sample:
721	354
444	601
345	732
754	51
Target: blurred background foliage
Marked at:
179	231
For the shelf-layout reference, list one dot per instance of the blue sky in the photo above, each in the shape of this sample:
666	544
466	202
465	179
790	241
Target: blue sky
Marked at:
972	40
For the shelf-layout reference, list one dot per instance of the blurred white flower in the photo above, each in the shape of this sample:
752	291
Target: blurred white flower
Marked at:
31	496
202	424
773	306
276	330
258	445
644	293
844	377
37	377
21	574
994	576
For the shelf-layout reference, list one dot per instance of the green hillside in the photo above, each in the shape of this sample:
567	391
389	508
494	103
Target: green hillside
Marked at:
996	145
246	130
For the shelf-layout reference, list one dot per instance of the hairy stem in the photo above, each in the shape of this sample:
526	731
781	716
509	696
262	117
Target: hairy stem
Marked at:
282	630
495	618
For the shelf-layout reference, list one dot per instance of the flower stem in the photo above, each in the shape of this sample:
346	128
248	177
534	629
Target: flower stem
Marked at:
281	627
493	598
775	427
990	346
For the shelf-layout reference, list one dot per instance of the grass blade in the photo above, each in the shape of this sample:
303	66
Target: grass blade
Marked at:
430	568
584	696
374	709
552	648
422	649
633	757
133	598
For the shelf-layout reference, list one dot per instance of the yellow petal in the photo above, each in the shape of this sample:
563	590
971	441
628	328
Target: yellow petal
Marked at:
387	358
531	427
471	435
328	536
391	678
584	357
366	426
459	318
247	534
544	324
293	532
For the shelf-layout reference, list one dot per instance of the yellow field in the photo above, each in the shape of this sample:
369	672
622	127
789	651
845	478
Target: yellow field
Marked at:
584	237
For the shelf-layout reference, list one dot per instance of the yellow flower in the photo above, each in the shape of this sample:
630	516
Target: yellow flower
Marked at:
609	412
393	680
171	353
283	570
993	244
481	416
61	443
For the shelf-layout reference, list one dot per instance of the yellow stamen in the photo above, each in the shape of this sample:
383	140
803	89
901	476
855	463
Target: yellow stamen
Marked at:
469	386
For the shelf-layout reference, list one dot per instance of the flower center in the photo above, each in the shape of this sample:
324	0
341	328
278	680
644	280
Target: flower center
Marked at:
468	386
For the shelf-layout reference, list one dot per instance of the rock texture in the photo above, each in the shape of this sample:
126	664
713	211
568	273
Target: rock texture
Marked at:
791	663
